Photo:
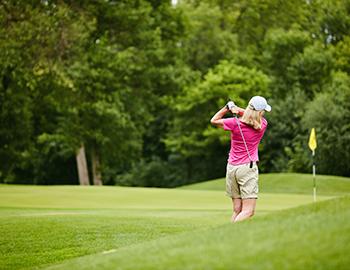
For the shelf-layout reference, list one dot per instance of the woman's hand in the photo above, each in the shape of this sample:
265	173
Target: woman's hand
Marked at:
217	119
232	107
237	110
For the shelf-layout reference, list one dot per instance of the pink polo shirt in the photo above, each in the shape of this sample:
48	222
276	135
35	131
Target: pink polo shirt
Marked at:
238	153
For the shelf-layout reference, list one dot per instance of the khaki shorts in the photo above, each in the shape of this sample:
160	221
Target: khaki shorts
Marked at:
242	181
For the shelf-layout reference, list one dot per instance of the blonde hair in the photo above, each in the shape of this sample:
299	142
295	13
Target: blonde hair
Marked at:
252	117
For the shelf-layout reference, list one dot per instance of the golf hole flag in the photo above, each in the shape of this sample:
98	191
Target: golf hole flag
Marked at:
312	140
313	145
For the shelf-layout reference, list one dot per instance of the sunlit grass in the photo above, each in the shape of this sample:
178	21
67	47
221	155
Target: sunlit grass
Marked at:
316	236
288	183
45	225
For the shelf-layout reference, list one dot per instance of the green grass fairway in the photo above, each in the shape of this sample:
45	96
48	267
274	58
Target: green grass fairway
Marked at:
310	237
41	226
287	183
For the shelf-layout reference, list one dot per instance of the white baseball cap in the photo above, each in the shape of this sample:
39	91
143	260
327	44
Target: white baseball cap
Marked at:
259	103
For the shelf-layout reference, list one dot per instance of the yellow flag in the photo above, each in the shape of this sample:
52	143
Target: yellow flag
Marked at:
312	140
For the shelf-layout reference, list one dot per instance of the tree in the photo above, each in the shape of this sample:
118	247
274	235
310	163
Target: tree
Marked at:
329	114
341	55
191	135
311	69
257	17
280	47
107	107
38	40
126	88
332	22
205	41
283	129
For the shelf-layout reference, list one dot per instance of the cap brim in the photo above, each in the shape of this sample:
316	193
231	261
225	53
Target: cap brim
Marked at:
268	108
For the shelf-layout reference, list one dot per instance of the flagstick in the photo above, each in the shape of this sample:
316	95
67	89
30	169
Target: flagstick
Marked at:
314	173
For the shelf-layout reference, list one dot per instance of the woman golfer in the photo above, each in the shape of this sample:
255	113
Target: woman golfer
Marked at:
242	167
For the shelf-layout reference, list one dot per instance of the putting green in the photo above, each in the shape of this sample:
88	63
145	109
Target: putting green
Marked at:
288	183
76	197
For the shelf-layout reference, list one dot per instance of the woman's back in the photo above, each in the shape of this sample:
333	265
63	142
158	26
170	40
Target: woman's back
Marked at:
238	153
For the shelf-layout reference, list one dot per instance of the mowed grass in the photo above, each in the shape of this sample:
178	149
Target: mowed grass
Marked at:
45	225
41	225
287	183
315	236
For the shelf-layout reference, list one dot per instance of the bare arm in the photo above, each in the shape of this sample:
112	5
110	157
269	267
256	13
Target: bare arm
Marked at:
217	119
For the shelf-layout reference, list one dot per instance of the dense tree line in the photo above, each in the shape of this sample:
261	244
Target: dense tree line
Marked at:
121	92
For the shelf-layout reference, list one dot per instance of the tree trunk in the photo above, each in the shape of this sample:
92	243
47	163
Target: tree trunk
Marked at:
96	169
82	167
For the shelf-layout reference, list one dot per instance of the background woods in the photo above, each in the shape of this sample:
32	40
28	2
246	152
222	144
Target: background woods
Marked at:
121	92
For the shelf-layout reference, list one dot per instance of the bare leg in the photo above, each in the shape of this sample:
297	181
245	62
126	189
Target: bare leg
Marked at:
237	208
248	209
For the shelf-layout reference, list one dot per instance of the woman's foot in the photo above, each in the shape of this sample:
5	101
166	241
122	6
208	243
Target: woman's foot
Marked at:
234	215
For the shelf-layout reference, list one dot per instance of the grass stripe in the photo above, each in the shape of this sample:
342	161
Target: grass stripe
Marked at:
45	225
315	236
287	183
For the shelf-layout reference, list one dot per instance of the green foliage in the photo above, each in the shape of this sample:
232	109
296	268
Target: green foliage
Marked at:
191	132
284	126
257	17
329	113
311	69
137	81
153	173
333	19
38	41
205	41
280	47
341	54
